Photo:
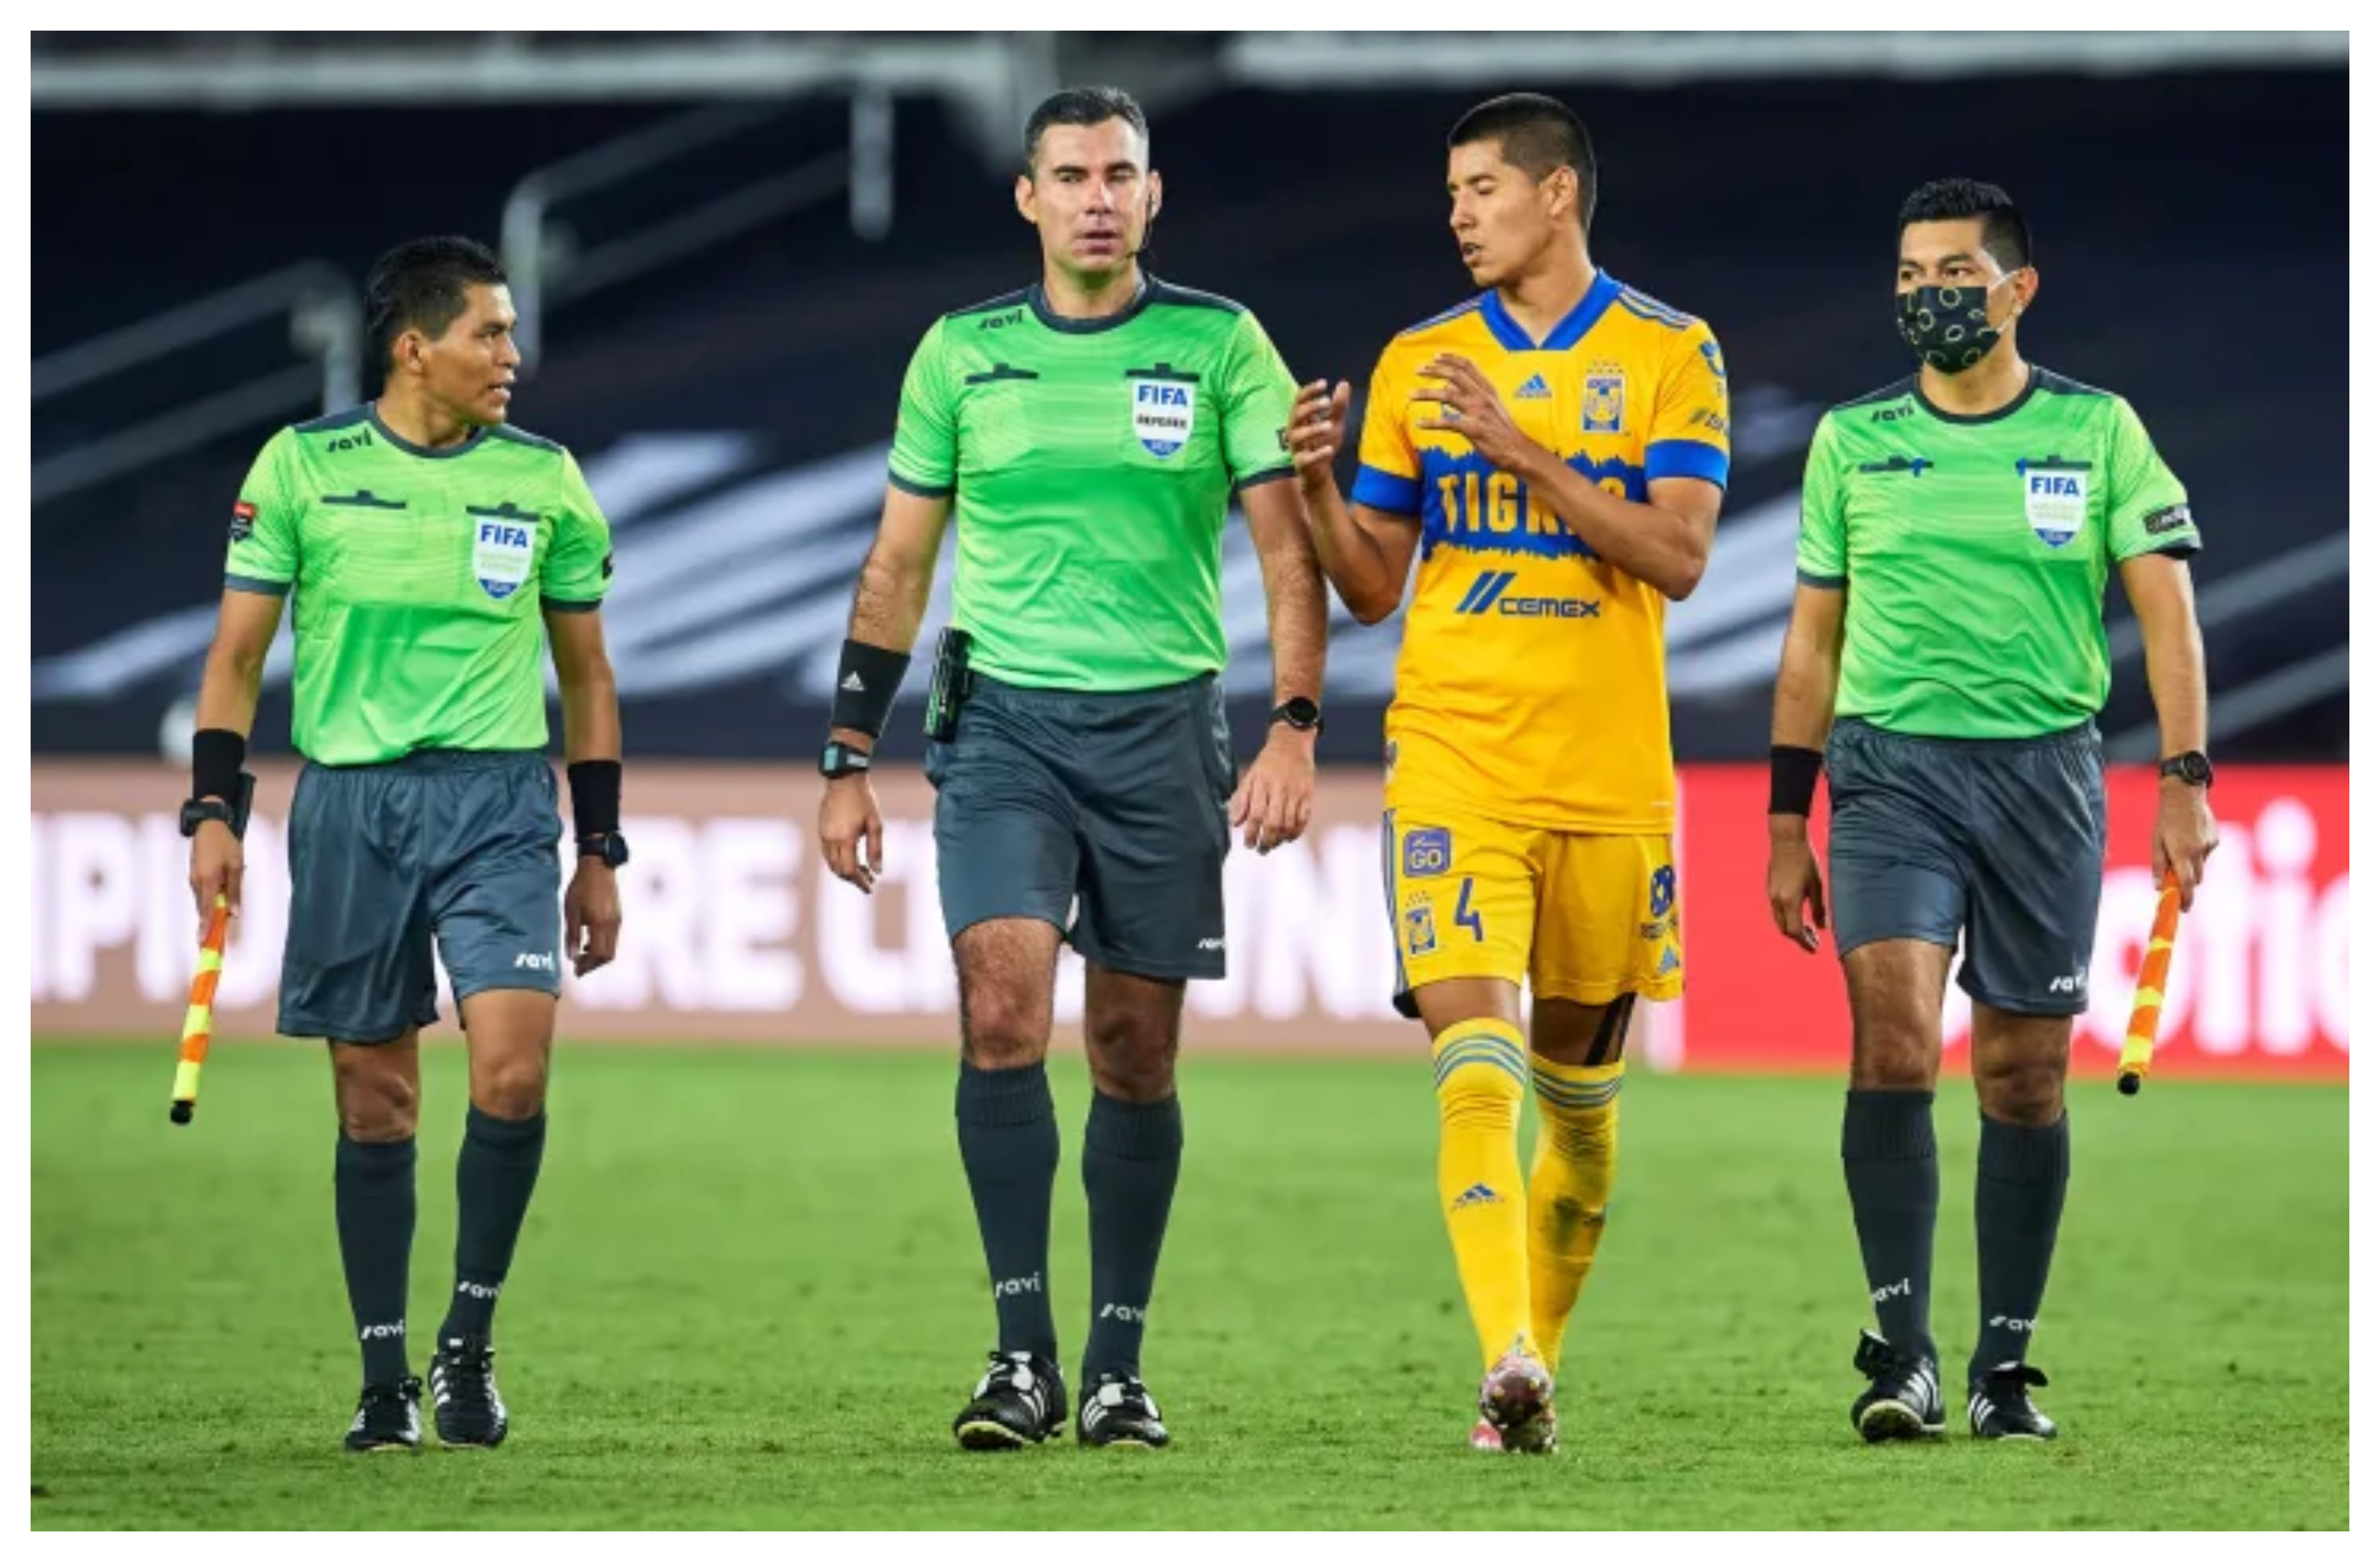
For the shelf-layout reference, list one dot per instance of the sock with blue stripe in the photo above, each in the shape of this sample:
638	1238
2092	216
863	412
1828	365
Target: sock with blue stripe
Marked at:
1570	1188
1482	1075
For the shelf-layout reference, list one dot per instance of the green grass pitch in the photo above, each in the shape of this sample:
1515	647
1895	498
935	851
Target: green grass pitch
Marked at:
750	1295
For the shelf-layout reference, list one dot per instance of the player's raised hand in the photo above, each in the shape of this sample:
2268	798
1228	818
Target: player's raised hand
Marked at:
1467	404
1793	883
1318	427
590	916
1275	799
217	864
849	818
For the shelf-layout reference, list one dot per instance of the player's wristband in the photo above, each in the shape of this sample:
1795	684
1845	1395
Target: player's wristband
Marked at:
864	681
216	754
1794	778
595	797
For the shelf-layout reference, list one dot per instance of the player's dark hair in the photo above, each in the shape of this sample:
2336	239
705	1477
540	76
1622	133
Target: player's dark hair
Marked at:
2007	239
1083	105
1535	134
423	283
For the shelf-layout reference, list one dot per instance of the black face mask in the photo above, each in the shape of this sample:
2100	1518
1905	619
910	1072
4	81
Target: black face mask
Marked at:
1947	327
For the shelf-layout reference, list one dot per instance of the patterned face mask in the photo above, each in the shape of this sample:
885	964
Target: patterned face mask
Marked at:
1948	327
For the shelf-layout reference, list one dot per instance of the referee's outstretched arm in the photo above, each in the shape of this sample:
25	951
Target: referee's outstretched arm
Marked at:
1807	675
2159	587
590	737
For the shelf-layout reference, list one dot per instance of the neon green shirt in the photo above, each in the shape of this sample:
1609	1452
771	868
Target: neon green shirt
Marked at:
1975	552
1092	463
419	578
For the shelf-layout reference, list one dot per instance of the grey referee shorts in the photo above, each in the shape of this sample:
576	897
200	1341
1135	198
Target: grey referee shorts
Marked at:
461	848
1997	842
1102	814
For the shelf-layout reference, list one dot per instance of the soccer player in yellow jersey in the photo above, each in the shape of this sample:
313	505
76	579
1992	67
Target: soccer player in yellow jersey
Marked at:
1556	450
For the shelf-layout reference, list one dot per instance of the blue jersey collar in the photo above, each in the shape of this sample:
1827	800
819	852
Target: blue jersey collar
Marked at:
1567	334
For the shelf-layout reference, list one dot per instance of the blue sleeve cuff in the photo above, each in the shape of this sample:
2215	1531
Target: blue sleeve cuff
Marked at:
1824	582
256	583
1685	458
1386	491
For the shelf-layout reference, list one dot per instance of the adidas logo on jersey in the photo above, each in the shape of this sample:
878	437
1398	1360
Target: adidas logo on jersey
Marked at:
1535	389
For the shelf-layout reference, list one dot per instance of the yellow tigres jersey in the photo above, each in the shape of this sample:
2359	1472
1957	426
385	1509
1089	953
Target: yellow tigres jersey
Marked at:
1531	685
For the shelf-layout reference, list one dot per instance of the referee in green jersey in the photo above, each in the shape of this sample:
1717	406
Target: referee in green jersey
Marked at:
429	553
1090	434
1948	652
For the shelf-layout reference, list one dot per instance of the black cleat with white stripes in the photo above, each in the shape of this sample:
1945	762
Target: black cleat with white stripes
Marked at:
1905	1393
388	1418
1999	1407
471	1412
1119	1413
1021	1401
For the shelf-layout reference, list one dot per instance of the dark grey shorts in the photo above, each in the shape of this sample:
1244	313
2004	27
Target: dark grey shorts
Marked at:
461	848
2000	840
1111	807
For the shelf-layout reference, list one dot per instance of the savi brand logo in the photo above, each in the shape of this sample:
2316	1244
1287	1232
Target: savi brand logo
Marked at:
1001	321
501	553
544	961
382	1331
361	439
1126	1314
1028	1285
1163	414
2056	499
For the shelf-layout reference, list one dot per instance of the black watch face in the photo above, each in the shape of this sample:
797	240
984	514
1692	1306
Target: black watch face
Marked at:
1300	712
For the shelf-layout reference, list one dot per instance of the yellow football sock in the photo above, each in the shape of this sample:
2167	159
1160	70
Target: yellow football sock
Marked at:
1578	1145
1482	1078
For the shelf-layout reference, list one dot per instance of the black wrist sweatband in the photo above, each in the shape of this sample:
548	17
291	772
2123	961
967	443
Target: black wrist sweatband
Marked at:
864	681
1794	778
595	797
216	755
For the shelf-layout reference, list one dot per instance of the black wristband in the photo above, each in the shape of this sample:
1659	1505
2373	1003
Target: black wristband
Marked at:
1794	778
595	797
864	681
216	754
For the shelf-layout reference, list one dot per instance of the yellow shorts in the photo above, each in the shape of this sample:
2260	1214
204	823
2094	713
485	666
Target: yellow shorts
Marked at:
1584	918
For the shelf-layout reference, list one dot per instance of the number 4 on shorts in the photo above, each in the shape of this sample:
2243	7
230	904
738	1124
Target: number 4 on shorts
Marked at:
1465	917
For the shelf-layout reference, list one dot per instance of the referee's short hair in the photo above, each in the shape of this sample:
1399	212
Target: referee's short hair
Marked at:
2008	237
423	283
1535	134
1083	105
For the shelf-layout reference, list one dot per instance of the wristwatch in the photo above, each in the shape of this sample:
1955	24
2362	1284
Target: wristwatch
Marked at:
612	849
198	810
1300	713
2192	769
840	759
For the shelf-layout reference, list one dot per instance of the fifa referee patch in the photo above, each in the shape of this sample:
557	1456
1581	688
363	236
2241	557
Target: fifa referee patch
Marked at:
243	521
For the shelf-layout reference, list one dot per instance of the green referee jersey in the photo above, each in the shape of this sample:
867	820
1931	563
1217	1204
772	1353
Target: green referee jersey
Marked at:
1973	553
417	578
1091	464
